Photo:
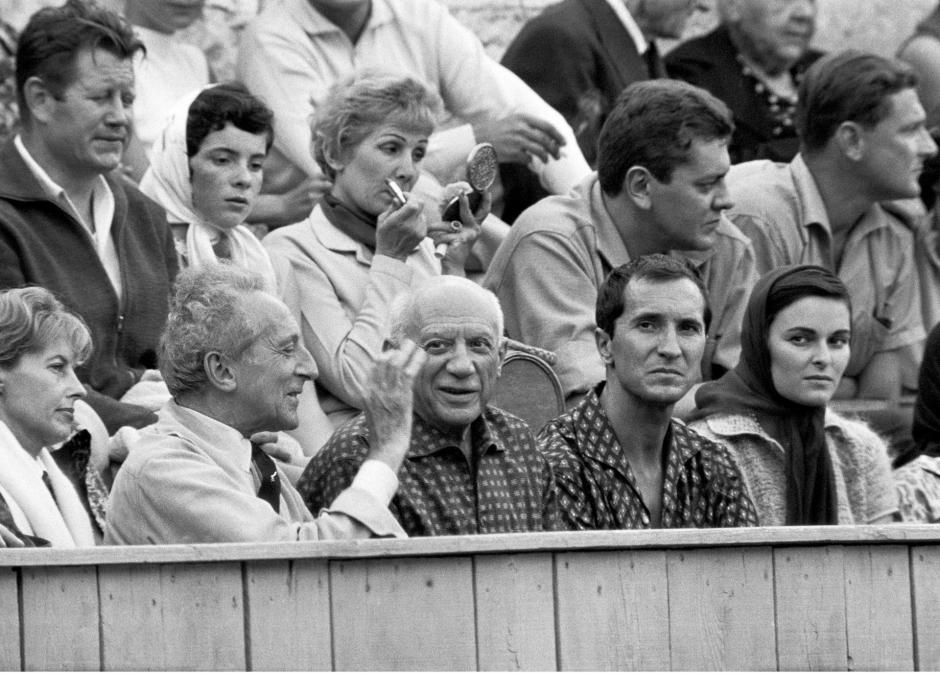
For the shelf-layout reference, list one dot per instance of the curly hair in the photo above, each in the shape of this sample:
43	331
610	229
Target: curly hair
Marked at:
31	318
356	107
207	314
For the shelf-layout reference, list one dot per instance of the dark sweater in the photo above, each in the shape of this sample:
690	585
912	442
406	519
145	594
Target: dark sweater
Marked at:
42	244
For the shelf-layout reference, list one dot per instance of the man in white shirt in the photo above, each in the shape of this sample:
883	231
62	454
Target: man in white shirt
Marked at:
234	363
296	50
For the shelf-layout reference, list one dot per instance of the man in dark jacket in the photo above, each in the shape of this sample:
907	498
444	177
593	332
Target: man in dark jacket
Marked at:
68	225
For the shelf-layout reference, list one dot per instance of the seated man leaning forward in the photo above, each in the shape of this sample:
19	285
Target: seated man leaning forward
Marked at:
659	188
232	358
619	459
471	468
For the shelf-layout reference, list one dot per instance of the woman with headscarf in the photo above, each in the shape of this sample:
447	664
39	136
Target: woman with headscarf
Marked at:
206	170
917	481
803	464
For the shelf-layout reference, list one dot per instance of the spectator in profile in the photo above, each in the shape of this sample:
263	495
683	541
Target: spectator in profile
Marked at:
754	61
232	358
619	458
580	54
65	223
862	141
659	188
295	51
41	345
470	468
340	268
169	70
803	464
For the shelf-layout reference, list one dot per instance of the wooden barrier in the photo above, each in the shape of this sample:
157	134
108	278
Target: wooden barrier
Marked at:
847	598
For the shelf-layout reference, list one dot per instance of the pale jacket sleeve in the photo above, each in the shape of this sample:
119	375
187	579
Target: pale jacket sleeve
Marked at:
476	88
343	348
548	294
179	497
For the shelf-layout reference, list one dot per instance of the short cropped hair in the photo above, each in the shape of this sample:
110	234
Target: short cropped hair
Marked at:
653	125
50	43
228	103
404	305
356	107
654	268
207	314
31	319
846	86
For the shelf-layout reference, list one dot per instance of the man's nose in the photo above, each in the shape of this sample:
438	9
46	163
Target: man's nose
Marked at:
459	363
723	200
306	365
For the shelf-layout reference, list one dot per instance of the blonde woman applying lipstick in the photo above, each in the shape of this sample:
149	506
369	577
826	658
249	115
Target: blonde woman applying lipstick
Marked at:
362	245
206	170
41	344
803	464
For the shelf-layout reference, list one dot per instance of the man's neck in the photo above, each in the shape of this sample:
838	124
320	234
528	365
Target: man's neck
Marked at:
350	21
842	192
217	410
638	238
79	188
640	427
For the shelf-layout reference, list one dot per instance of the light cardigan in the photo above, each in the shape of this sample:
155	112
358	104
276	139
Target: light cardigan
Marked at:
63	521
864	488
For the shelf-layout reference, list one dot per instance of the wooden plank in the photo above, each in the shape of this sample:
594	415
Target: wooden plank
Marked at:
612	611
925	583
721	609
288	610
60	619
403	614
810	604
878	609
463	545
515	612
10	654
172	617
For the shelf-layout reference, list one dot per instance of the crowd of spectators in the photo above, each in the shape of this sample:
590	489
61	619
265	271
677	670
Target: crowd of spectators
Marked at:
277	308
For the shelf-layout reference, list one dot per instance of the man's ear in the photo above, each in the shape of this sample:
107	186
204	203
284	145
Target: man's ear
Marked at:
219	372
38	99
602	339
850	138
636	186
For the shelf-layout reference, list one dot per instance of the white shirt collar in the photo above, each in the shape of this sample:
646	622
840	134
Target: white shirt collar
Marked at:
620	9
103	213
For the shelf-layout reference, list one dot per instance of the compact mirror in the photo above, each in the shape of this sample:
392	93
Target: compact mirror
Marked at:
482	169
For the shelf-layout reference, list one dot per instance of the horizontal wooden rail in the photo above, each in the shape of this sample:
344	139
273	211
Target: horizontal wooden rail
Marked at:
810	598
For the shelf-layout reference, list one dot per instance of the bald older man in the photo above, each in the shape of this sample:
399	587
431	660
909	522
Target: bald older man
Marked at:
471	468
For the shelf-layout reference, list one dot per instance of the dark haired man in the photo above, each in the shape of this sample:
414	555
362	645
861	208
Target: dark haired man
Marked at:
102	247
619	459
862	141
659	187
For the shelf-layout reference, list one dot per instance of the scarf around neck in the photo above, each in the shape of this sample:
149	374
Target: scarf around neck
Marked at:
358	226
748	389
168	182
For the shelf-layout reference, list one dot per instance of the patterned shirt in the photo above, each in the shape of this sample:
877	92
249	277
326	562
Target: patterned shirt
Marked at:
507	486
598	490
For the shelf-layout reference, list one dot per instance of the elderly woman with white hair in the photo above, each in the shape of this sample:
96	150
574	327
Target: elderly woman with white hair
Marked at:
369	239
41	345
754	61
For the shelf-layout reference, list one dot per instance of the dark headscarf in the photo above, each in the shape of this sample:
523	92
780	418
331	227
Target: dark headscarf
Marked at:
926	428
749	389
